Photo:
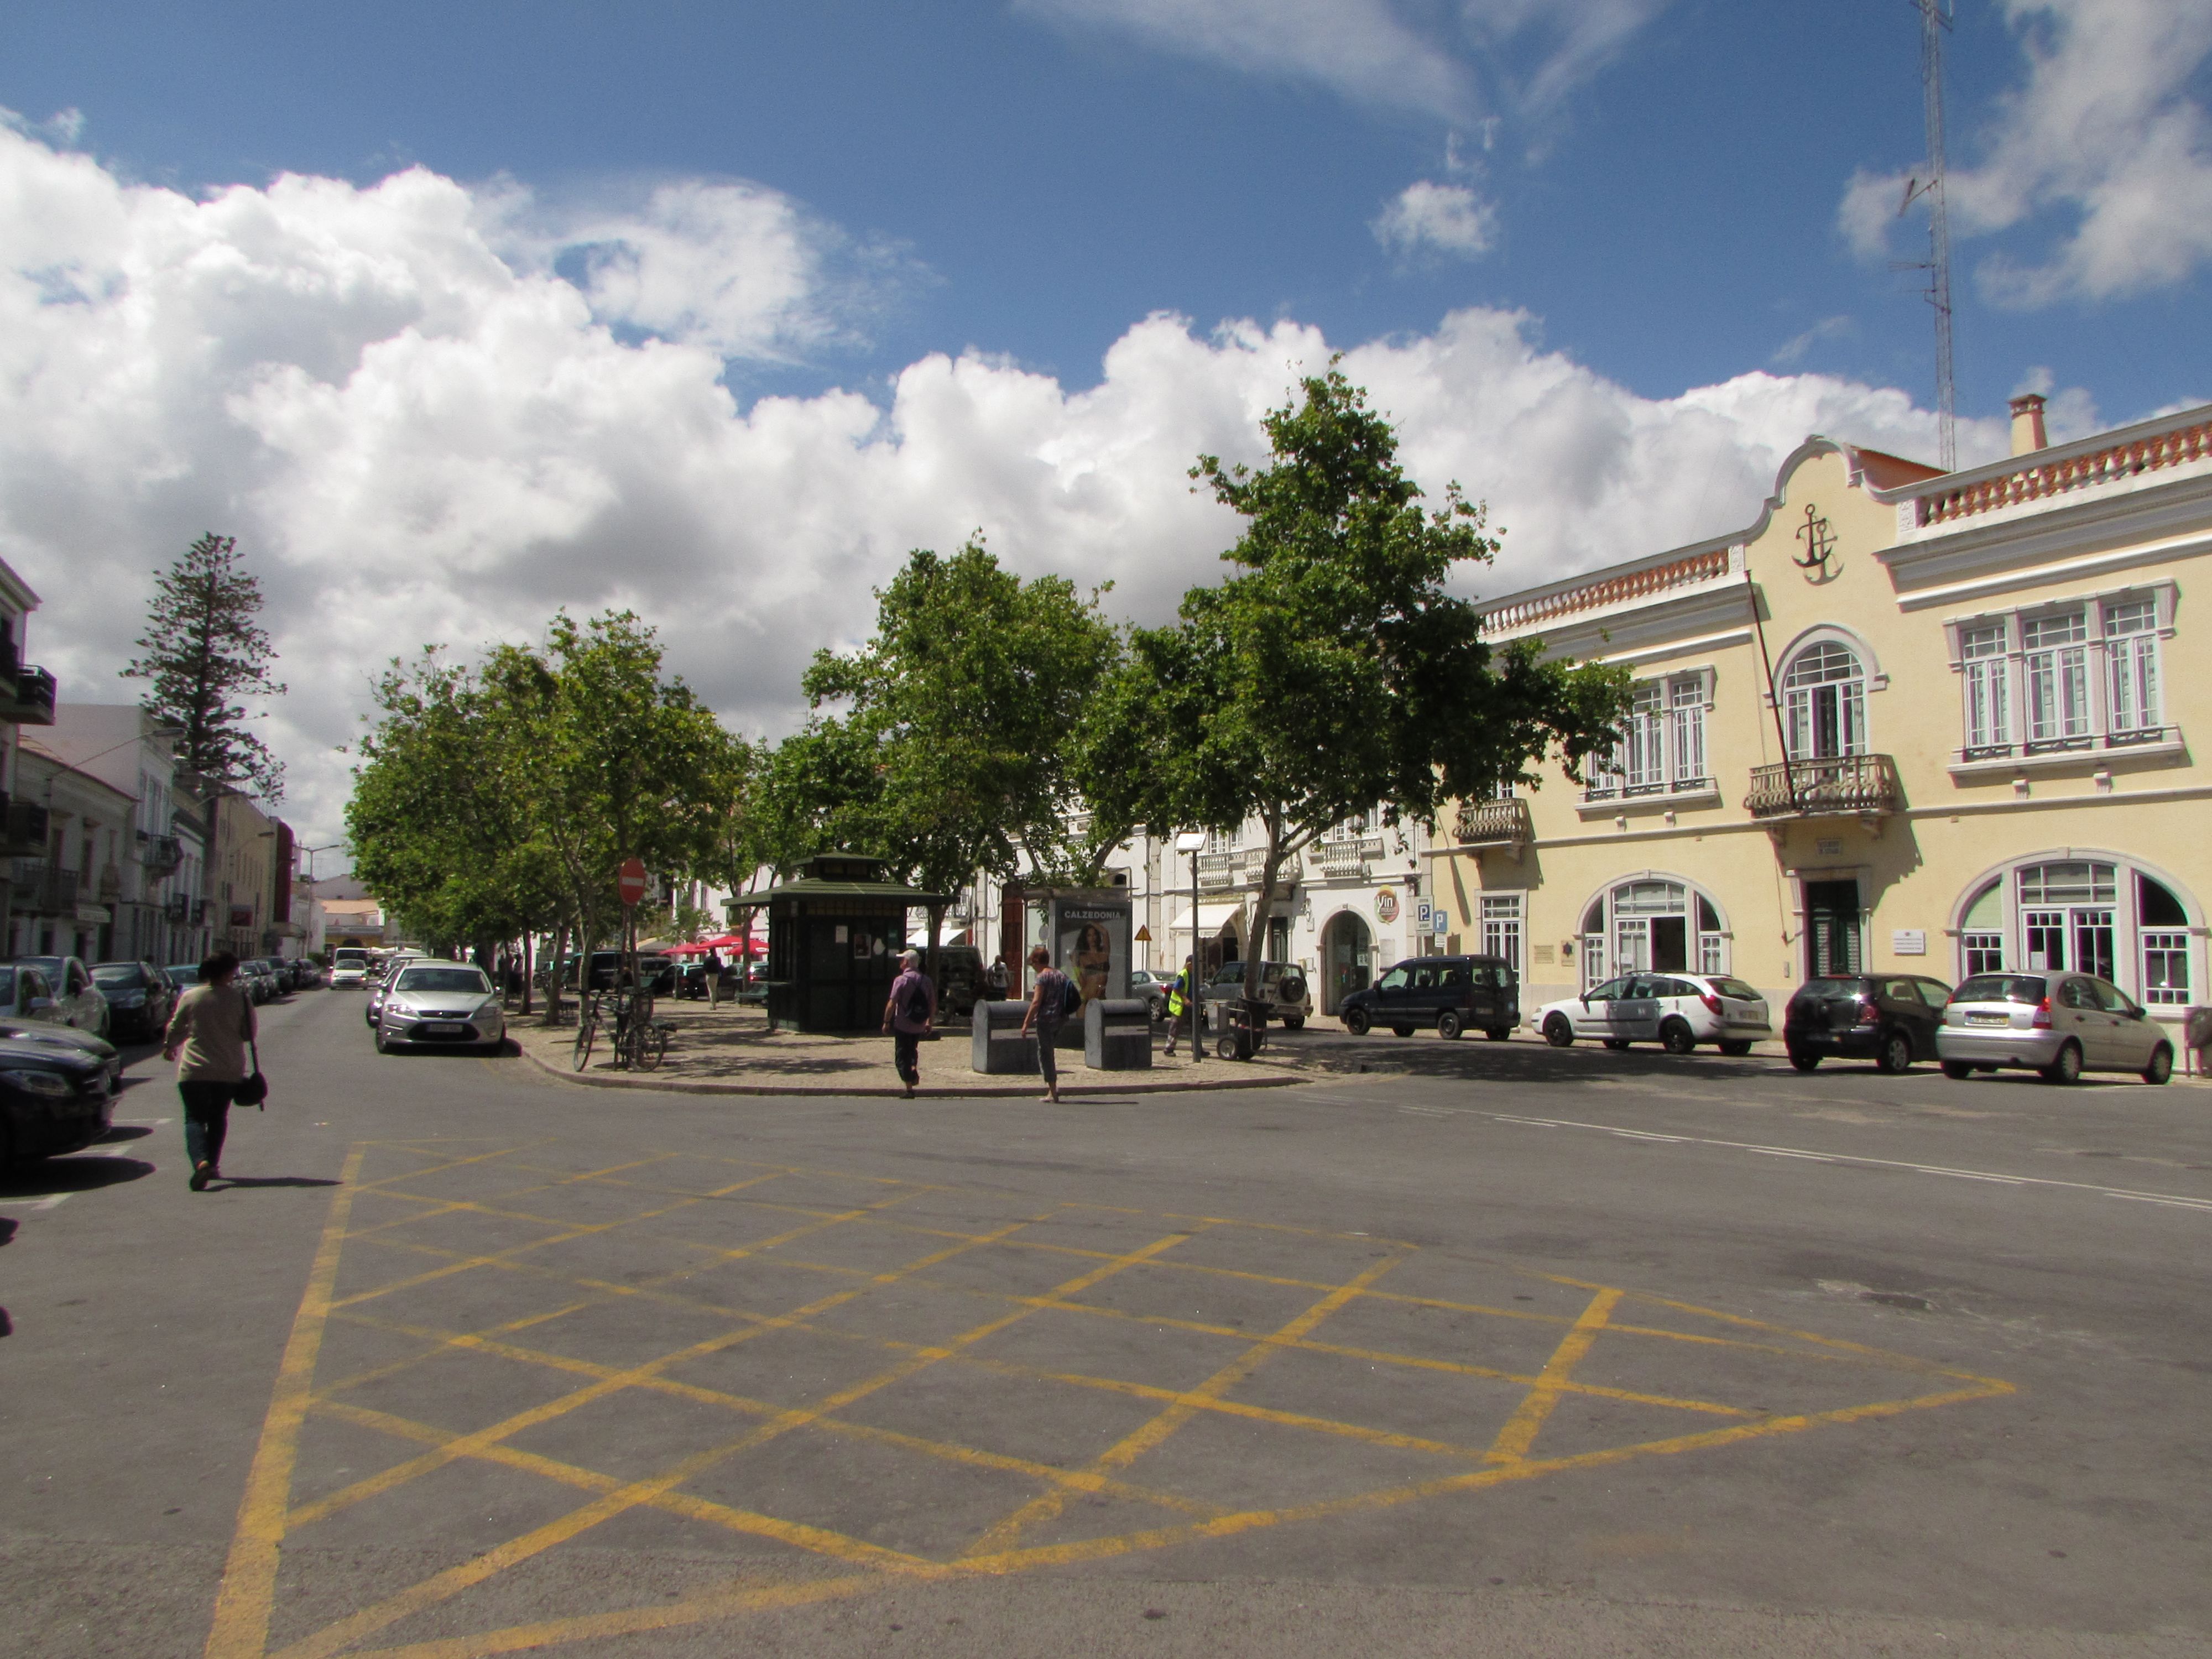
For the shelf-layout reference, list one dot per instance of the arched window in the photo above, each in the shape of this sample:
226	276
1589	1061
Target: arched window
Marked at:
1824	695
1655	924
2087	916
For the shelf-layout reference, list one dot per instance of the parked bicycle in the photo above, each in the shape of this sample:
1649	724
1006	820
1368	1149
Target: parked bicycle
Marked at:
639	1042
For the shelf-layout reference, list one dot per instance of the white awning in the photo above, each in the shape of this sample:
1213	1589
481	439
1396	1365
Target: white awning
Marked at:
1212	918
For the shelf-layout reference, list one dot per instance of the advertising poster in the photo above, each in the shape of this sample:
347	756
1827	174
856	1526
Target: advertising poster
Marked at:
1091	942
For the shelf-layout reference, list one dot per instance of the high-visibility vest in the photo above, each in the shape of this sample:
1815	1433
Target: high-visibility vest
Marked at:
1175	997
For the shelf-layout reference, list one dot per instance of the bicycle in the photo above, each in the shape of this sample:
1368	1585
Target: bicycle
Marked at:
587	1031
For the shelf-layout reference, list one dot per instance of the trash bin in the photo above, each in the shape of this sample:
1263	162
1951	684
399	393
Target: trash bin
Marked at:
1239	1027
997	1047
1117	1036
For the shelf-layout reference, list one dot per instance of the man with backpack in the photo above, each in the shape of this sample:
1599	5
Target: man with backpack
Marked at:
909	1016
1054	1002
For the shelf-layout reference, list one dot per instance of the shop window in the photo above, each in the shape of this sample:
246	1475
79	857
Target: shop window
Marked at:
1981	934
2088	916
2164	936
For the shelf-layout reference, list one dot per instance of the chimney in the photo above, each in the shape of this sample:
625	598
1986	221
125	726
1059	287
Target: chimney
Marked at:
2028	423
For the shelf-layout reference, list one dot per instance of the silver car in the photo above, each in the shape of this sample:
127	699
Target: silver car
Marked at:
445	1004
2058	1025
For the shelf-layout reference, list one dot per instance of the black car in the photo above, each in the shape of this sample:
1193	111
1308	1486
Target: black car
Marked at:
139	998
1452	993
57	1090
1889	1019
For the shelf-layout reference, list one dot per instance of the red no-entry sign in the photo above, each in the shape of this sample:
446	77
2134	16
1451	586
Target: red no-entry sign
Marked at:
629	880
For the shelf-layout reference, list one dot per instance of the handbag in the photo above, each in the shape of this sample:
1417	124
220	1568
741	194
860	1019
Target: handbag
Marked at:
255	1088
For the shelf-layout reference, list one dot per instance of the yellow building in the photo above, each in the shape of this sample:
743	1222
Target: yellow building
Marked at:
1903	720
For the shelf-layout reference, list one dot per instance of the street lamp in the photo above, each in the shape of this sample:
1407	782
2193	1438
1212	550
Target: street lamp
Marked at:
1193	842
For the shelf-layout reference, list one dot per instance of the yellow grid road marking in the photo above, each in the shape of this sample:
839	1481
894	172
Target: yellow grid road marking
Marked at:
1519	1433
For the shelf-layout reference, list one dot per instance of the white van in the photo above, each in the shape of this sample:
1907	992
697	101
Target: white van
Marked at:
348	966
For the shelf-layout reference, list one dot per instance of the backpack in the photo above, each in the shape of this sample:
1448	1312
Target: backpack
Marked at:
913	1002
1071	998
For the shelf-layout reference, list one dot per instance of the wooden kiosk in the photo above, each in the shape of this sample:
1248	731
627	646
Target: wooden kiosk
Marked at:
835	932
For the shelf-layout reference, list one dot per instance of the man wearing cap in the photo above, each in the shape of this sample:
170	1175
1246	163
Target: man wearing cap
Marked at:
907	1016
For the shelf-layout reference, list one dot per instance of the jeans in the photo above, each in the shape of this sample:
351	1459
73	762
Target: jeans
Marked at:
207	1119
906	1055
1048	1042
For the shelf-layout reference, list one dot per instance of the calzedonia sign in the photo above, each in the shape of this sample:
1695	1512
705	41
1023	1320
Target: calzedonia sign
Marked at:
1088	935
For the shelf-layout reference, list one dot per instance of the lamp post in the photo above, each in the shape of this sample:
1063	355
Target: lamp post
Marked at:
1193	842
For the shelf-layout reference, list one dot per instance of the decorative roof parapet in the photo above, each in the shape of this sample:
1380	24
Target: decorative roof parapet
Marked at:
1693	569
2042	479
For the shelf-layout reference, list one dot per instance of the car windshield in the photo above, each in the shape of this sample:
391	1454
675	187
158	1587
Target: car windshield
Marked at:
2000	987
1833	990
50	966
1734	987
119	974
187	972
443	979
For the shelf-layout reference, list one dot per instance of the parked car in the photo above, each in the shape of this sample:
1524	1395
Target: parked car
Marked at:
1451	993
57	1090
378	988
1676	1011
1153	989
958	972
1889	1019
77	1001
442	1005
1282	987
349	967
2058	1025
139	998
25	994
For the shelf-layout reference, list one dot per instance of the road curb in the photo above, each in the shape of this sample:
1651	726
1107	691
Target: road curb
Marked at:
682	1086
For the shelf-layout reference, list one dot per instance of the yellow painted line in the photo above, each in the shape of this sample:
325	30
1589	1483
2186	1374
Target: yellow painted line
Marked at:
243	1601
440	1587
1519	1431
389	1187
1154	1433
1527	1469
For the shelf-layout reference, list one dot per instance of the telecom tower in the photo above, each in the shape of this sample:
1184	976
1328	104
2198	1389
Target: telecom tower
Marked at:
1935	18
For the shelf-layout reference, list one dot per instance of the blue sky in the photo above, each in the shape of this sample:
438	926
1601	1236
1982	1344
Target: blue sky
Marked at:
1031	181
456	314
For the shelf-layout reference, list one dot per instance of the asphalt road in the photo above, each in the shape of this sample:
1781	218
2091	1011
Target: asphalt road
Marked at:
1518	1353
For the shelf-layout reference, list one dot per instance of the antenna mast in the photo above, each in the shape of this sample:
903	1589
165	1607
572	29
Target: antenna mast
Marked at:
1935	18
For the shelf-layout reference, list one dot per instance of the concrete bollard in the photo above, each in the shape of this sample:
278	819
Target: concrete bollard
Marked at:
1117	1036
998	1048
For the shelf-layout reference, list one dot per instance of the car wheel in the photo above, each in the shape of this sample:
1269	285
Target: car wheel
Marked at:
1499	1033
1676	1036
2066	1068
1735	1048
1803	1061
1558	1032
2162	1065
1294	1021
382	1047
1448	1025
1895	1056
1355	1021
1403	1030
1957	1070
1618	1045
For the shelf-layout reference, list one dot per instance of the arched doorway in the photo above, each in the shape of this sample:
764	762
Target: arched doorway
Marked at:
1348	954
2098	914
1652	923
1824	693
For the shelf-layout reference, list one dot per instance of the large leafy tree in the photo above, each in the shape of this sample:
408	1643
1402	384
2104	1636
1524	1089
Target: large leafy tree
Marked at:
1333	670
203	651
958	740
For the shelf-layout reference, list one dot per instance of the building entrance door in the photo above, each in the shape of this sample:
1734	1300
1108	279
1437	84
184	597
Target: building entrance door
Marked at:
1347	959
1832	928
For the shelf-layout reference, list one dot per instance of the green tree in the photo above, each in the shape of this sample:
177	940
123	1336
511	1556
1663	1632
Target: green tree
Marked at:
1333	670
958	749
203	651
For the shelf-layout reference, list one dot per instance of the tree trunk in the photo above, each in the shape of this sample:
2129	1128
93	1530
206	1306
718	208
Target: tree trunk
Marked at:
1263	908
553	986
526	937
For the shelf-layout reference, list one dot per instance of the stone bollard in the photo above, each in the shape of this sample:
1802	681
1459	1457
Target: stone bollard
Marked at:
998	1047
1117	1036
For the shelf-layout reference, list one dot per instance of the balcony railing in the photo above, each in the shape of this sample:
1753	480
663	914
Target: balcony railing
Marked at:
27	696
1501	822
40	886
178	907
2042	480
160	855
1836	786
1242	868
1349	857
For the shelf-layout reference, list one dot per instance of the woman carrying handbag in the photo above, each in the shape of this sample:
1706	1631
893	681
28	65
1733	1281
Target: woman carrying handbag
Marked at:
211	1038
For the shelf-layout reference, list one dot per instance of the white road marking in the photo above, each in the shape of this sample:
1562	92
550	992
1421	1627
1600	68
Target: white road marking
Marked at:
2178	1201
47	1201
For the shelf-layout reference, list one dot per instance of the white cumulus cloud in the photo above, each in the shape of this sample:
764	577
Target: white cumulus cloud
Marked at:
1428	217
428	418
2106	148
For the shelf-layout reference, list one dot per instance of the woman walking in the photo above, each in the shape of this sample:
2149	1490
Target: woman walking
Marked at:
208	1037
1047	1011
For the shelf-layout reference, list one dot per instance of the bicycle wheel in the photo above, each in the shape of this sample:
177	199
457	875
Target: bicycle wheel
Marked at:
587	1028
652	1046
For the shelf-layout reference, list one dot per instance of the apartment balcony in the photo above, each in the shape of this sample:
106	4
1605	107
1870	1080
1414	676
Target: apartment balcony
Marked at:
1832	787
1242	868
1347	859
160	855
177	908
111	884
1502	823
39	887
22	828
27	696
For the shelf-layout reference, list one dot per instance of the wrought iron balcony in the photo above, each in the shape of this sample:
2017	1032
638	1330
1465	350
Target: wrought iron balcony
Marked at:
160	855
1501	822
1833	786
22	828
40	887
27	696
178	907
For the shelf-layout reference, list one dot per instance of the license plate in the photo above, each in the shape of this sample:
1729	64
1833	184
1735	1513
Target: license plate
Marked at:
442	1028
1988	1019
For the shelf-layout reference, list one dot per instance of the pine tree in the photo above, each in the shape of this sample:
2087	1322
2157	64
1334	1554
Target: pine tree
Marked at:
204	650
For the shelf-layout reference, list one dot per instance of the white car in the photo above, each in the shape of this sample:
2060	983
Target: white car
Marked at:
1676	1011
440	1005
349	967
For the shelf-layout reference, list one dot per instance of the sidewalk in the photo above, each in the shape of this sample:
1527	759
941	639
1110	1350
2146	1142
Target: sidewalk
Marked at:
729	1050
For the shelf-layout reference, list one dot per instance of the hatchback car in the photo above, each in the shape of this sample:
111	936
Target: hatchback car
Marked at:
2058	1025
1889	1019
77	1001
57	1090
1451	993
446	1005
1676	1011
25	994
1148	987
139	998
